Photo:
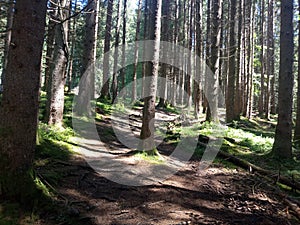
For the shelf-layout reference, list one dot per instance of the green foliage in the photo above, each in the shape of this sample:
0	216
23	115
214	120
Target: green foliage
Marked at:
54	143
255	143
105	105
55	133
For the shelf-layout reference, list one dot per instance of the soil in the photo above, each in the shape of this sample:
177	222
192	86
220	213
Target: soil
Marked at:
218	195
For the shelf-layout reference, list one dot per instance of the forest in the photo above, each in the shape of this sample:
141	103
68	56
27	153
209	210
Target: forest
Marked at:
149	112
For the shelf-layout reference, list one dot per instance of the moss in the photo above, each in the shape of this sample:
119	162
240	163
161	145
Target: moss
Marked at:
151	156
21	187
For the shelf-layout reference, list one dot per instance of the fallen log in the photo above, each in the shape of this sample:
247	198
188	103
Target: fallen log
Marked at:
253	168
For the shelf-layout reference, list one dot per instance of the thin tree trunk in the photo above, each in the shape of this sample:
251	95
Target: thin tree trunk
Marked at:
262	60
72	36
250	51
106	79
123	70
208	56
114	87
136	53
7	41
198	73
297	128
270	57
238	78
165	37
146	33
50	42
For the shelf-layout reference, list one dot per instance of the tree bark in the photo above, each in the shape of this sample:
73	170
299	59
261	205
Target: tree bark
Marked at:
230	98
147	131
114	86
19	106
123	69
165	37
213	82
87	84
297	128
262	60
56	85
198	73
283	135
105	83
9	23
136	53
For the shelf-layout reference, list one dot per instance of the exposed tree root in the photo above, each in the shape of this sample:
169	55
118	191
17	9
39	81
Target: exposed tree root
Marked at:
253	168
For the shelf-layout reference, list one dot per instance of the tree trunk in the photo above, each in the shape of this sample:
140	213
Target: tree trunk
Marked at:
213	82
106	79
297	128
87	83
123	69
114	86
283	135
56	85
198	72
9	23
136	53
72	38
270	57
230	98
147	131
50	42
208	56
238	78
19	106
165	37
262	60
146	34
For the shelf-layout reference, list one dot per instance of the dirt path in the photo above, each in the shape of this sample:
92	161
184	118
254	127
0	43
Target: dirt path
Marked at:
215	196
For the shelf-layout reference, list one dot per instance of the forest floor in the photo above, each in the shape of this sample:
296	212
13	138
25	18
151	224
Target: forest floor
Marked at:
221	194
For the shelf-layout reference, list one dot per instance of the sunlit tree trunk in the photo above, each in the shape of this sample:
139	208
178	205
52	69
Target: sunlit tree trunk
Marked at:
262	60
270	58
238	76
9	23
250	50
165	37
50	41
136	53
213	82
87	84
198	73
147	131
57	80
297	128
72	41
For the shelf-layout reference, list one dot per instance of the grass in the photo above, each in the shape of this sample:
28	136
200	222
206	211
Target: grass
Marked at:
251	140
151	158
53	143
